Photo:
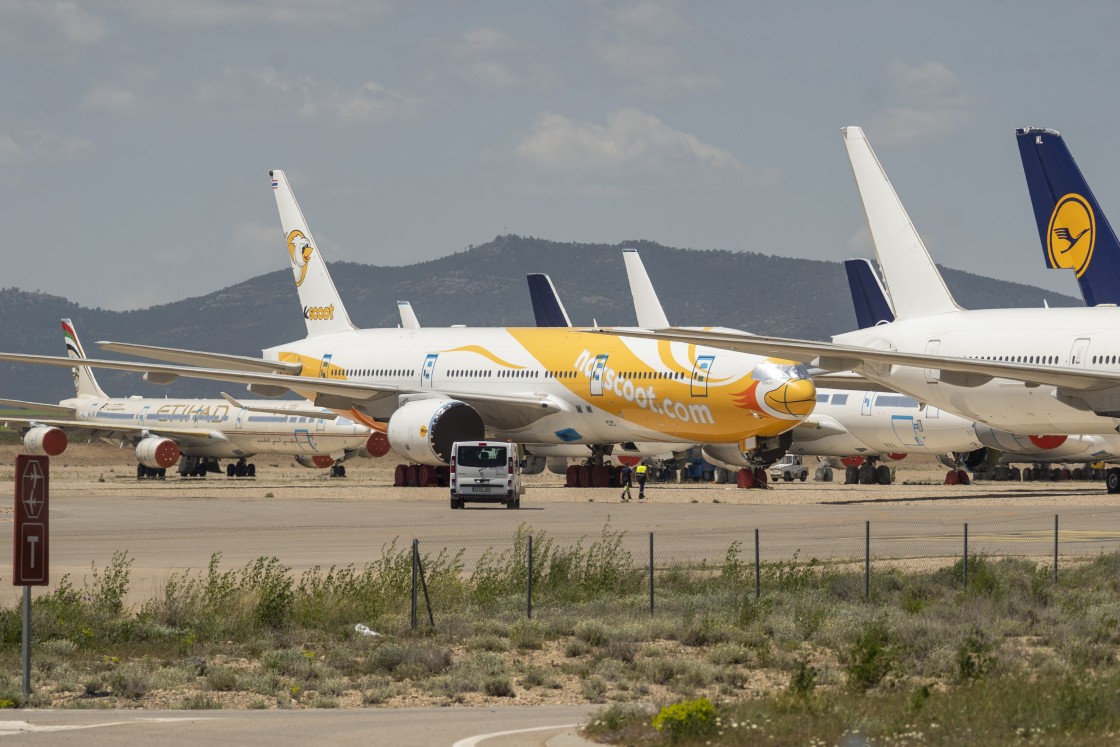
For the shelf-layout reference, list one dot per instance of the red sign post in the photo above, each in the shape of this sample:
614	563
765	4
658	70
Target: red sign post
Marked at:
31	556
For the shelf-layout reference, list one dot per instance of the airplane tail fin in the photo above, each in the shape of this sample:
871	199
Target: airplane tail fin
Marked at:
85	385
1075	234
547	307
323	312
915	284
408	316
646	303
868	296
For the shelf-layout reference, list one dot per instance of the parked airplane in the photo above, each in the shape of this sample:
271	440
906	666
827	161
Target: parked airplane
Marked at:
196	433
533	386
1039	371
1074	231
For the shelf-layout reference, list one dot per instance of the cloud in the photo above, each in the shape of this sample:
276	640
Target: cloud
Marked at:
264	93
487	58
33	145
28	23
928	104
296	13
635	151
126	98
638	44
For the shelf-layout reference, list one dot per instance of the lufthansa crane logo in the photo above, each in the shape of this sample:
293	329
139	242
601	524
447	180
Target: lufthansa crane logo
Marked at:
1072	234
300	250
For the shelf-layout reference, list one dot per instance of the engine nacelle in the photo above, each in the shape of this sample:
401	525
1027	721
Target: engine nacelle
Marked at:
157	453
423	430
557	465
45	440
726	455
534	465
1047	447
317	461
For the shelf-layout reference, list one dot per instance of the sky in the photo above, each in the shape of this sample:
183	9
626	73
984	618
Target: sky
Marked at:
136	137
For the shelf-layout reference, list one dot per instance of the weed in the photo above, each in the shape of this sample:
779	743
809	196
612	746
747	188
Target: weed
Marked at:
686	720
869	658
804	679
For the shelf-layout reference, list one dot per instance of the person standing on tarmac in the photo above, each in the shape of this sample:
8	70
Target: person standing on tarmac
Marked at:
626	477
641	470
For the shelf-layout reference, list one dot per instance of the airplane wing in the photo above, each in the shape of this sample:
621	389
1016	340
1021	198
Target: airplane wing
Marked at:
831	356
200	358
334	393
321	414
94	428
43	407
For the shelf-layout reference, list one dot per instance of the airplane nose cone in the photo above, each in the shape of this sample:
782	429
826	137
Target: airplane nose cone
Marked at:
795	397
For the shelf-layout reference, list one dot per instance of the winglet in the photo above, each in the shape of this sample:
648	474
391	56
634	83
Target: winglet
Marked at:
916	286
647	305
870	300
1074	231
323	311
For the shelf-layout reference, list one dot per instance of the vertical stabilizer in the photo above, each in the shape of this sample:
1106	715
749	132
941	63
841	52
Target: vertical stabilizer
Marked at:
870	300
916	287
323	312
85	385
646	303
548	310
1074	231
408	316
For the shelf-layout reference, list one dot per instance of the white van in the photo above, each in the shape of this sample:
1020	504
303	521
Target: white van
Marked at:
485	472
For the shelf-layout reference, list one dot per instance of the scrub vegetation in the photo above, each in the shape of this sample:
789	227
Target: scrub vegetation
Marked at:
1015	658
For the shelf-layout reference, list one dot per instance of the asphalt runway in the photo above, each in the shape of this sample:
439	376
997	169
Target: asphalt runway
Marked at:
165	530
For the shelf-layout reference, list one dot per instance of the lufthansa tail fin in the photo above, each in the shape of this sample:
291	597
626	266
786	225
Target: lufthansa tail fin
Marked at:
1074	231
323	312
868	296
916	286
647	305
547	308
85	385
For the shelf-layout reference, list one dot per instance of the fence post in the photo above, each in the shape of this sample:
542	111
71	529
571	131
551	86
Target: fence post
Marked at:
867	561
529	583
757	568
651	573
415	576
1055	548
966	556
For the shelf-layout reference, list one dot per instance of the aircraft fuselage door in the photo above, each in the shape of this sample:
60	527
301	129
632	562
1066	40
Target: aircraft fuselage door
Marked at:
701	371
932	373
142	415
597	375
427	374
1077	354
865	408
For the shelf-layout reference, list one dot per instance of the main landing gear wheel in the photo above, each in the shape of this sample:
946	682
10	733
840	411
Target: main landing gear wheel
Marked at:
1112	480
338	470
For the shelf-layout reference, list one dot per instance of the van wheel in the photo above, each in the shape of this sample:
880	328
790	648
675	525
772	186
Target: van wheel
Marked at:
456	502
511	502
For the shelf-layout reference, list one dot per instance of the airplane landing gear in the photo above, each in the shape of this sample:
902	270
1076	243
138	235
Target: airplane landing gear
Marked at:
241	469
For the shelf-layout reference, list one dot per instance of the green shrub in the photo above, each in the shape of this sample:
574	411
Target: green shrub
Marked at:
686	720
869	658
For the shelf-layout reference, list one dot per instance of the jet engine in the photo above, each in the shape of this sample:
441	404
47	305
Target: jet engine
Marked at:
317	461
157	453
377	445
768	451
45	440
557	465
534	465
1048	447
423	430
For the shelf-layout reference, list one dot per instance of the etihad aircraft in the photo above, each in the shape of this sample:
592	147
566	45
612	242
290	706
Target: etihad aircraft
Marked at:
1074	231
1040	371
195	433
429	387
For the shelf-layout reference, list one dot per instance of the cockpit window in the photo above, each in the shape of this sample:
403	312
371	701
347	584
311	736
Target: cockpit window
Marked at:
770	371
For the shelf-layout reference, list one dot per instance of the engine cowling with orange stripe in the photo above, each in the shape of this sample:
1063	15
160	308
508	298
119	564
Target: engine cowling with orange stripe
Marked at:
45	440
423	430
1051	447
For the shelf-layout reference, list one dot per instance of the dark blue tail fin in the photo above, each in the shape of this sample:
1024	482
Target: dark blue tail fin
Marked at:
868	296
546	302
1075	233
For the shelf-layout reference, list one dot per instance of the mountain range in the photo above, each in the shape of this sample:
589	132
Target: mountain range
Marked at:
481	286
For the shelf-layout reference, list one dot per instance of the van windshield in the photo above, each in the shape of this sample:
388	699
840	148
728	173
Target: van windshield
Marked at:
482	456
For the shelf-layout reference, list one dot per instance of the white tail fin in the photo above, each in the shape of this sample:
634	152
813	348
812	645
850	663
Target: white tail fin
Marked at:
408	316
85	385
646	304
916	287
323	311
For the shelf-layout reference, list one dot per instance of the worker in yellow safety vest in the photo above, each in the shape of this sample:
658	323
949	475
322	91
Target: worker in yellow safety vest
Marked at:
641	469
